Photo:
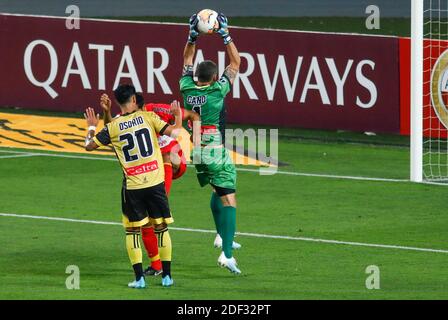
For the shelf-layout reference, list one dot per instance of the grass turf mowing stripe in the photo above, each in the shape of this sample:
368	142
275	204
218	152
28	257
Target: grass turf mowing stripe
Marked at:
291	173
246	234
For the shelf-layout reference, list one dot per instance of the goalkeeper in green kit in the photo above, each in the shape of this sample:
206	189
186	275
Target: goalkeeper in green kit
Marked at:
212	161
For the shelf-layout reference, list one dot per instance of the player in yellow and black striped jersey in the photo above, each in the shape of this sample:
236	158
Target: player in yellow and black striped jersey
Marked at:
134	139
136	147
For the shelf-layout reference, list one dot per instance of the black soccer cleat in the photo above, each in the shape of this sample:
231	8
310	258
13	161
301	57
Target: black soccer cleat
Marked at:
150	271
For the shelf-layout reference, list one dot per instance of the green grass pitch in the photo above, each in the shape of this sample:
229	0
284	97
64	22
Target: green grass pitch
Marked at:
34	253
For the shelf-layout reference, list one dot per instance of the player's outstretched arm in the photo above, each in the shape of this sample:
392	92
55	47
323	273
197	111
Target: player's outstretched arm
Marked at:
189	115
190	47
233	68
92	120
174	129
106	105
232	52
189	51
195	119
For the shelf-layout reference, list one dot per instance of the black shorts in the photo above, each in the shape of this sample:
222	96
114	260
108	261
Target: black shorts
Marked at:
220	191
142	206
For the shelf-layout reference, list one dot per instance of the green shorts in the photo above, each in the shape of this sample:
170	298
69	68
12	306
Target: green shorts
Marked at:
216	168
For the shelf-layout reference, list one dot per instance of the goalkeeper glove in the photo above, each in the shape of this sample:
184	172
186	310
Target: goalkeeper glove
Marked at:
193	34
223	30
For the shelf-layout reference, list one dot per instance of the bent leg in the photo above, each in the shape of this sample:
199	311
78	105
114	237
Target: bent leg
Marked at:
168	168
150	241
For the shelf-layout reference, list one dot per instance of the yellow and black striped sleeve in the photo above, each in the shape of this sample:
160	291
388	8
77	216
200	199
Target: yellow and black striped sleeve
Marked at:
103	137
158	124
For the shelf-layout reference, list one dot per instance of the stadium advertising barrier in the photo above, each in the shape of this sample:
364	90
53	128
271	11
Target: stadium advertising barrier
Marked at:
309	80
435	88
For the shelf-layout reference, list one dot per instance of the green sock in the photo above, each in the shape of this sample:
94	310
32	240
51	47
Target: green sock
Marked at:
228	226
216	206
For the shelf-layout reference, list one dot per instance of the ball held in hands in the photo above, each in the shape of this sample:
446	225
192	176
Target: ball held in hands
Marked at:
207	21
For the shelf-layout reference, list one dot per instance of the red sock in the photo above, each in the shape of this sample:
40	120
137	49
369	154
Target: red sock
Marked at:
150	241
168	177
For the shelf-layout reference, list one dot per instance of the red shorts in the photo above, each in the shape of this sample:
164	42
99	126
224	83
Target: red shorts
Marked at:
174	146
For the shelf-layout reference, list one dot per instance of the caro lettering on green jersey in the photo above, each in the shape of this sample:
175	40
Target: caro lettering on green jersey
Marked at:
208	101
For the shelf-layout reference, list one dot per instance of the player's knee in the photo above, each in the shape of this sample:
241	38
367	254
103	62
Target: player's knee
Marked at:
176	167
174	157
229	200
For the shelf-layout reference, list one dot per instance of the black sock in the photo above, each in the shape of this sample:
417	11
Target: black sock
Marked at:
138	270
166	267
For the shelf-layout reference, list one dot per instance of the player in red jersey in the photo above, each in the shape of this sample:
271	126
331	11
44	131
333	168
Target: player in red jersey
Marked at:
173	157
174	163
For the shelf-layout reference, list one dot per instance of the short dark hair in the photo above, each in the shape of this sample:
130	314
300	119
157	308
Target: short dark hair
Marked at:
140	100
206	70
124	93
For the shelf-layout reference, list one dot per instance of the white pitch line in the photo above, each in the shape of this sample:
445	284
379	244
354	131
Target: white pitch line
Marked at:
18	156
42	154
434	183
331	176
245	234
316	175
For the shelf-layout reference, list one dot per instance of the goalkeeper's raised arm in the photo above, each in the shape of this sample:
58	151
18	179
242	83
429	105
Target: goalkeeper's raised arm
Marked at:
234	56
190	47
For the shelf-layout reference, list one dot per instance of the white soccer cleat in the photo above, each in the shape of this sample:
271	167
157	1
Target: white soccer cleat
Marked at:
230	264
138	284
218	243
236	245
221	259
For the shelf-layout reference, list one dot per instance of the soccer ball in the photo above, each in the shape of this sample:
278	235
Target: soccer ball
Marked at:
208	21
